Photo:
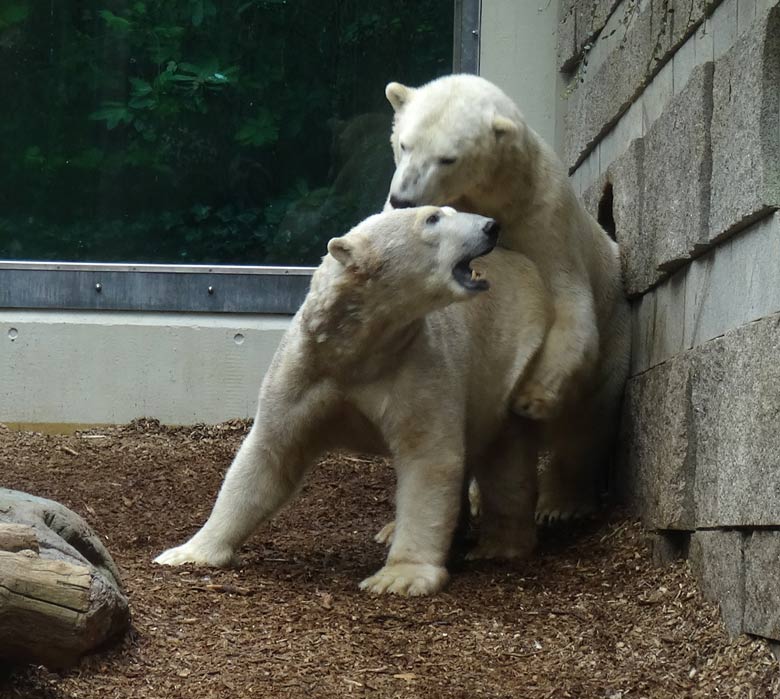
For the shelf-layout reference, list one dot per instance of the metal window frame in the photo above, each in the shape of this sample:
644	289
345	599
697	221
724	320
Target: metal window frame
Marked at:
189	288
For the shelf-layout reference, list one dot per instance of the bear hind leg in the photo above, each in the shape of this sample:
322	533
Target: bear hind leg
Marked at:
507	486
573	476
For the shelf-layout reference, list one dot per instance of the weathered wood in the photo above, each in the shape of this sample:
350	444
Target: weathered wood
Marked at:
52	612
59	591
17	537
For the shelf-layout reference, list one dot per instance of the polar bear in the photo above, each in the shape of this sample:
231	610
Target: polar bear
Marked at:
383	357
460	141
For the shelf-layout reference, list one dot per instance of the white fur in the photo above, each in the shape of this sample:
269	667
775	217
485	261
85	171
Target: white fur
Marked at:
382	358
461	141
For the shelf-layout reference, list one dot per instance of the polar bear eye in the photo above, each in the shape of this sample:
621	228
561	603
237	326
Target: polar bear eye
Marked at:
403	147
447	161
432	219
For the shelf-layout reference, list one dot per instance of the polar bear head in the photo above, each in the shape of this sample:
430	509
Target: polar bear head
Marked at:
453	139
413	260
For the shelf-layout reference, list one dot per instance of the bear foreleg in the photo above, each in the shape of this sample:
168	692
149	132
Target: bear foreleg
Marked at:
265	473
427	506
568	356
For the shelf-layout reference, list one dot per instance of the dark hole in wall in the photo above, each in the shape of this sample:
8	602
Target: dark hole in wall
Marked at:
606	216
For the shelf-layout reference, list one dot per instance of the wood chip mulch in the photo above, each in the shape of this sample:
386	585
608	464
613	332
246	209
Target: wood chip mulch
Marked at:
588	617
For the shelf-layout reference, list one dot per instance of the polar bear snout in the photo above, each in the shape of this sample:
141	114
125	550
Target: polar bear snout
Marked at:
398	203
491	229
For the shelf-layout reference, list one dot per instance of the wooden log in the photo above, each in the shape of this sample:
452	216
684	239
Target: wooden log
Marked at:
54	611
60	593
17	537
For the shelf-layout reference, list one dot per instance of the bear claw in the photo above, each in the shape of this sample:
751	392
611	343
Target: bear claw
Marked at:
385	534
407	580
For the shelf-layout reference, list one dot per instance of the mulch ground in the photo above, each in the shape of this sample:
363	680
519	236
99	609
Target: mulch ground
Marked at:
588	617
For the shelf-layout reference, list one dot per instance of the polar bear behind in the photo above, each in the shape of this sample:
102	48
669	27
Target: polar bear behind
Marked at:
400	348
460	141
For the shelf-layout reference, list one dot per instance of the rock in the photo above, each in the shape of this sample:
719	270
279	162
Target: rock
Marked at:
762	584
666	547
716	559
735	402
626	174
657	469
745	142
677	199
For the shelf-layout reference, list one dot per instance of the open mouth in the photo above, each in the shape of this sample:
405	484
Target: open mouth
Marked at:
469	278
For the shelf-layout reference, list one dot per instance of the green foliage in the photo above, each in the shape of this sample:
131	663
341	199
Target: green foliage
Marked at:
261	130
191	130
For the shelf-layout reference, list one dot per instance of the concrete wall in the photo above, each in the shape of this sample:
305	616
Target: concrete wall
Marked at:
674	107
63	368
518	53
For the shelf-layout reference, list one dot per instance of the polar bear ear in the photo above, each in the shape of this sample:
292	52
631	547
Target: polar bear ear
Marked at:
342	250
503	127
398	95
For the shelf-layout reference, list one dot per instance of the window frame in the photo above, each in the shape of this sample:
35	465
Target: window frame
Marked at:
257	289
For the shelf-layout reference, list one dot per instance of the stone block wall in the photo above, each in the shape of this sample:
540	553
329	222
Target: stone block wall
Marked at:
672	137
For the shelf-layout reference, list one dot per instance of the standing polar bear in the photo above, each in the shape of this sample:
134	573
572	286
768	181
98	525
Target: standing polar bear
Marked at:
460	141
382	358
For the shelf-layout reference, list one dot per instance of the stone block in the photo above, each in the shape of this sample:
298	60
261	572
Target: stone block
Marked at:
626	174
737	427
745	141
716	559
568	6
592	195
662	29
656	468
684	61
658	324
594	104
590	169
567	54
762	6
631	124
592	15
667	337
735	283
636	42
677	199
687	16
762	584
642	324
746	14
703	45
667	547
610	148
724	27
657	95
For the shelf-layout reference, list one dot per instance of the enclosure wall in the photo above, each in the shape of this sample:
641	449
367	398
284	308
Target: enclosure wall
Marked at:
672	136
64	368
517	52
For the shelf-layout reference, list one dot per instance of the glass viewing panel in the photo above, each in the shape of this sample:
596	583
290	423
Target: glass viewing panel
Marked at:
192	131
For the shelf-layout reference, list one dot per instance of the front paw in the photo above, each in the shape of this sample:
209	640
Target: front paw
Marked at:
191	552
537	400
407	579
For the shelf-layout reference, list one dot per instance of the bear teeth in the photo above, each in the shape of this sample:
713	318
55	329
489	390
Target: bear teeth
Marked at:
475	275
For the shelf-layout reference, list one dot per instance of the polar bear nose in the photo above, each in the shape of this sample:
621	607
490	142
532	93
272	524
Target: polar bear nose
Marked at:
398	203
490	229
